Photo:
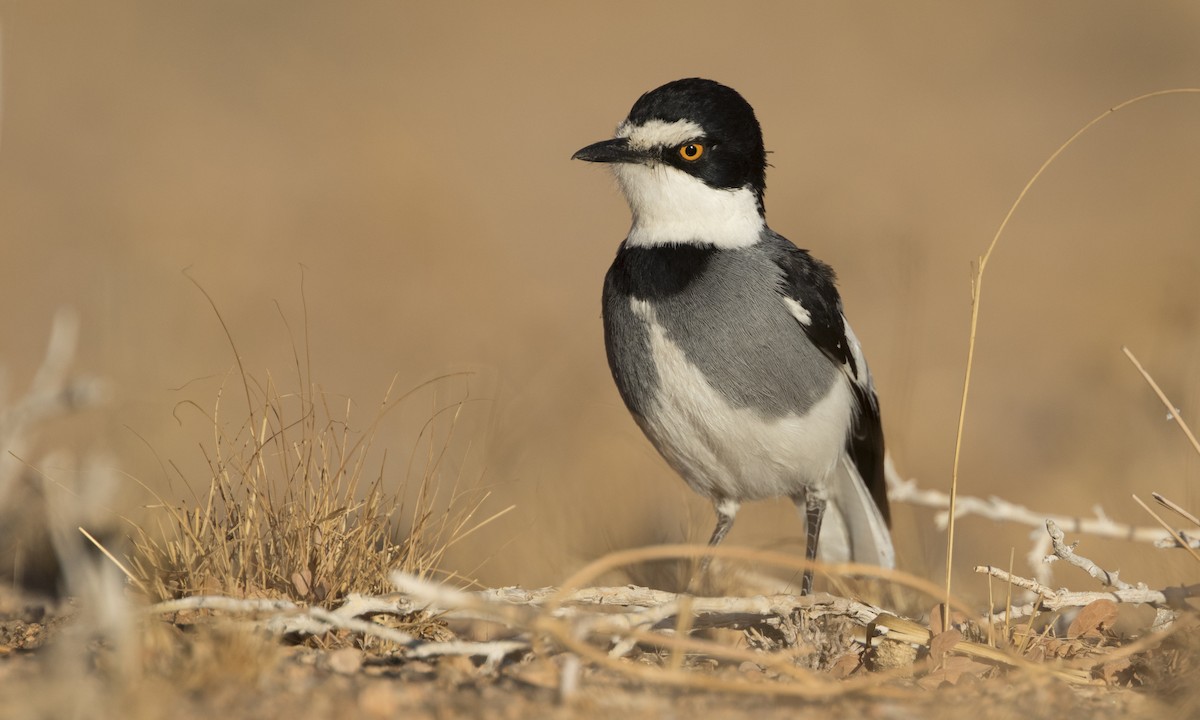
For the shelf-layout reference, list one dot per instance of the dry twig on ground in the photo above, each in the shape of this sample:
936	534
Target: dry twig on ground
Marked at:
54	391
1166	602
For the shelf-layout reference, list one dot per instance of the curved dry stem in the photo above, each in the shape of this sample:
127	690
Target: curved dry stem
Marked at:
766	557
976	295
572	639
683	678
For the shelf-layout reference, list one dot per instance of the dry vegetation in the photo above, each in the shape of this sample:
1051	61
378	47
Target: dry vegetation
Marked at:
293	510
296	583
275	575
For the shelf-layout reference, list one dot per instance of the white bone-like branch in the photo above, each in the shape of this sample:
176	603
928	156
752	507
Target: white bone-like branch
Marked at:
1050	600
317	621
52	392
519	609
1165	601
1001	510
1025	583
223	604
493	651
1170	542
1067	554
709	612
290	618
1036	557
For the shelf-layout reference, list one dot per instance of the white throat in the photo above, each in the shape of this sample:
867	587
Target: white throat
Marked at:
671	207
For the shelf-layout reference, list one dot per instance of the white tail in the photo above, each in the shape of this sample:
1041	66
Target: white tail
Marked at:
853	529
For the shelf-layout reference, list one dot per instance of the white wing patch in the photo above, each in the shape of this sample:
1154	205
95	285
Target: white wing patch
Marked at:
863	377
797	310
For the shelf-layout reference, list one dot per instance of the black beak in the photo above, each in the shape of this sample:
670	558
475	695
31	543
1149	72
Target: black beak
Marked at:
616	150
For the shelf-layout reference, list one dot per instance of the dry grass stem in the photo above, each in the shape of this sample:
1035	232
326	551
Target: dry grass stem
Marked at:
977	297
614	560
1179	539
1176	508
1172	411
291	511
113	559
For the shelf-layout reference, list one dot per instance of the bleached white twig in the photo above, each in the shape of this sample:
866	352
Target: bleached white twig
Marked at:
1050	600
223	604
1165	601
1001	510
317	620
568	683
52	392
1189	539
1025	583
288	617
1036	554
1067	553
353	624
651	606
518	609
493	651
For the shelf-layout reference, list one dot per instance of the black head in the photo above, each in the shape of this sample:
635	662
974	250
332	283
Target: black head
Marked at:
698	126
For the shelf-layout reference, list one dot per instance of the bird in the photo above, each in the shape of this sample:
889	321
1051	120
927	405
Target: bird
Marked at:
728	343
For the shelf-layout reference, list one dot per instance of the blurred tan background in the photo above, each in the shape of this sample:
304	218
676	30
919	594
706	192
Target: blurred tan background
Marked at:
410	162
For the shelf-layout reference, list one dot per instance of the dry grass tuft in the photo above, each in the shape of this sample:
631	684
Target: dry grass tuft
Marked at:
294	509
291	511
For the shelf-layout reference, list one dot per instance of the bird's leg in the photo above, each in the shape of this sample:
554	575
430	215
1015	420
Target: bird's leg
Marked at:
726	511
814	513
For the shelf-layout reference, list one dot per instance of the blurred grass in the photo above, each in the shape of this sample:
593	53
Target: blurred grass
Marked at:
294	509
294	505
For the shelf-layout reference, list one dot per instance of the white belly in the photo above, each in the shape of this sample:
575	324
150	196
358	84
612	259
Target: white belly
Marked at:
735	452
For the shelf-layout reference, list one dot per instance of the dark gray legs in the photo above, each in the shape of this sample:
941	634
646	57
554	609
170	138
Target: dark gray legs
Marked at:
814	513
726	510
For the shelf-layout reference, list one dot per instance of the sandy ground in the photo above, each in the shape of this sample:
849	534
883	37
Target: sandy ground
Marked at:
201	668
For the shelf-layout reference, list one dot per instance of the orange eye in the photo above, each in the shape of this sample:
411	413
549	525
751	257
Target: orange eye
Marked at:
691	151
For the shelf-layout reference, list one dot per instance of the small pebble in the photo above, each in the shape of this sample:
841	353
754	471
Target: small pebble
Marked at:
345	661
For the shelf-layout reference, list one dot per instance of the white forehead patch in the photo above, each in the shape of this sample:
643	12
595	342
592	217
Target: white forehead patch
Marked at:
659	133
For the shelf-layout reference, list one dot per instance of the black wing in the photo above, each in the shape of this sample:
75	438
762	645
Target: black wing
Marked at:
813	284
865	447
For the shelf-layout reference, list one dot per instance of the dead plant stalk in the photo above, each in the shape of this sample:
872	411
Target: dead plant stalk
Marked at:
976	299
